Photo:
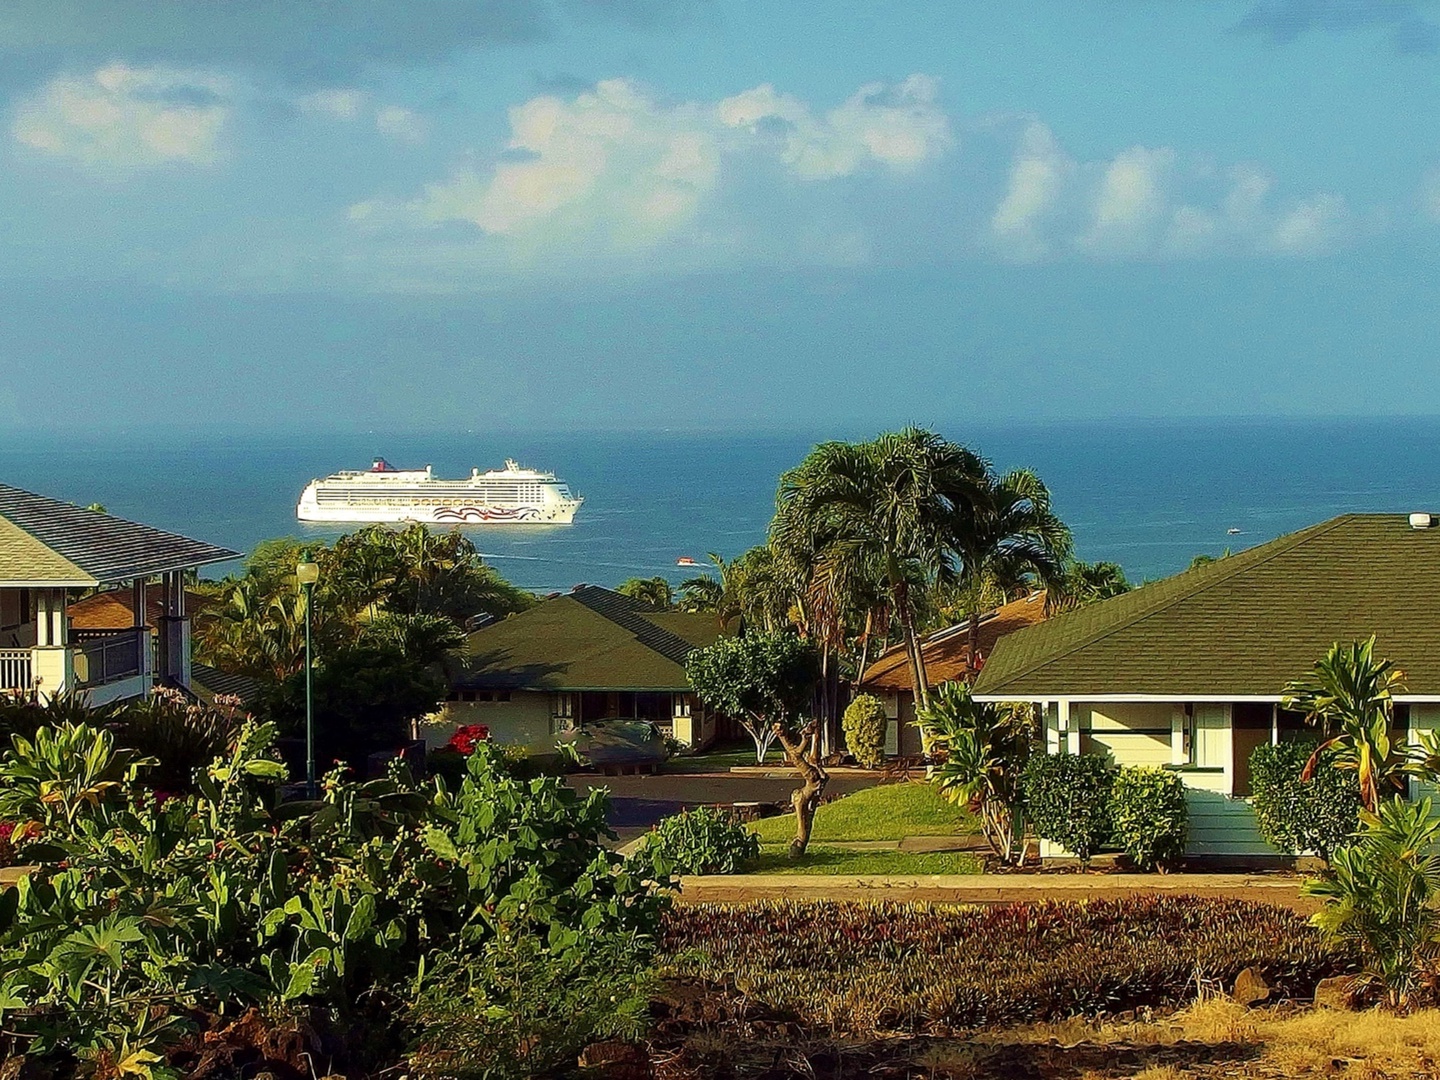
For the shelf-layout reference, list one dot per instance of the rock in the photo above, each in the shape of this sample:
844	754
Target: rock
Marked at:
615	1060
1334	993
1250	987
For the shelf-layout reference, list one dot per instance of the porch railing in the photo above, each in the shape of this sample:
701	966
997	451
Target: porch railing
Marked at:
16	671
109	655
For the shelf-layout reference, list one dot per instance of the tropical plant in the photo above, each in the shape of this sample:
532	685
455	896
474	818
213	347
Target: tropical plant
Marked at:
884	506
985	749
766	682
1350	696
1005	532
212	902
1149	816
181	736
654	591
1298	815
705	840
522	1009
1085	583
1067	801
702	594
1382	895
865	723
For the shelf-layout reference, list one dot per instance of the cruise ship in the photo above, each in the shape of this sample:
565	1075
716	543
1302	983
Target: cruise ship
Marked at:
508	496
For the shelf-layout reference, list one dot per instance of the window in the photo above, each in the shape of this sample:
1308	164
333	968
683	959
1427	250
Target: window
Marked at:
563	706
1204	735
682	705
467	695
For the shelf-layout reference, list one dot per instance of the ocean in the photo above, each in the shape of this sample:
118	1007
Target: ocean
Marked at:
1149	495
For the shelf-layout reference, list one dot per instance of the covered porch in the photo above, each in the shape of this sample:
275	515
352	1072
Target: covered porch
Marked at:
51	553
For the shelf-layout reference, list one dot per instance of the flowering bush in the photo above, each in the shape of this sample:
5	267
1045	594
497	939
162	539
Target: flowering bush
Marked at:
467	737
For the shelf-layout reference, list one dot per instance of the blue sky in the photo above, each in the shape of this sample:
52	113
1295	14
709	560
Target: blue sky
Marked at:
715	213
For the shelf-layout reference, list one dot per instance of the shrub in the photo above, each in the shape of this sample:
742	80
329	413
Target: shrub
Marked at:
1294	815
700	841
522	1009
984	748
1382	896
865	723
1067	799
182	736
213	902
466	736
855	969
1147	811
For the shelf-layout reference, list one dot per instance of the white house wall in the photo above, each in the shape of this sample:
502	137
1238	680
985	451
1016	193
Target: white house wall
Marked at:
1140	733
1423	719
524	720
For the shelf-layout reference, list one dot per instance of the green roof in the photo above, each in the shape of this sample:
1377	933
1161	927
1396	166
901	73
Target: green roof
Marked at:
1246	624
46	542
588	639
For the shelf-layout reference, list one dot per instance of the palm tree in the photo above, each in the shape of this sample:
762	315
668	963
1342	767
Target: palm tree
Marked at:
886	504
1005	533
1350	696
654	591
700	594
1086	583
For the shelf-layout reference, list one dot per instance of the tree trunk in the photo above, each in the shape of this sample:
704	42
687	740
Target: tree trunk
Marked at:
973	639
803	753
763	737
912	643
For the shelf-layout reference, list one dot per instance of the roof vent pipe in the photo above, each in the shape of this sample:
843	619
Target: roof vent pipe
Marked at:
1422	521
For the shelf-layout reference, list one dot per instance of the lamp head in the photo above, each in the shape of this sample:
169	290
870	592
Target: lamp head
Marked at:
307	572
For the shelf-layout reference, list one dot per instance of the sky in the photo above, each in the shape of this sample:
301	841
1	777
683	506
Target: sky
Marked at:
716	214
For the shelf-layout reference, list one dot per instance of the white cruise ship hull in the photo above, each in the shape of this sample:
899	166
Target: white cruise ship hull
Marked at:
508	496
470	514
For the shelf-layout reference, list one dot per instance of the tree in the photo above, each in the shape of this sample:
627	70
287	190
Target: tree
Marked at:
1006	532
1350	696
885	506
766	682
702	594
1085	583
986	748
654	591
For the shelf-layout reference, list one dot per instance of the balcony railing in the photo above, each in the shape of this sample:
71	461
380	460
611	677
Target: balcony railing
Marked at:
16	670
109	655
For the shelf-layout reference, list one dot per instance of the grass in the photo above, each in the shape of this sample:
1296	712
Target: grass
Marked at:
887	812
774	859
720	760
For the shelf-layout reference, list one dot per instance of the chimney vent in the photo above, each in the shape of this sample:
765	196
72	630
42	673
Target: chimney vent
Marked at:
1422	520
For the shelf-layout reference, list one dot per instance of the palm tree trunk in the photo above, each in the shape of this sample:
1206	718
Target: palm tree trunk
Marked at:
901	590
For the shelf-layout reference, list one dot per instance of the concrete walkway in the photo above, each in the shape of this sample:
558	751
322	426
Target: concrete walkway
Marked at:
993	888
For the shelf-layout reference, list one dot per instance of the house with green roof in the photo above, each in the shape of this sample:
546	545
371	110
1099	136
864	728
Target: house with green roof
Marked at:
582	657
1187	672
50	551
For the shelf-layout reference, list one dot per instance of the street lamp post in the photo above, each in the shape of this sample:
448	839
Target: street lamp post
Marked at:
306	574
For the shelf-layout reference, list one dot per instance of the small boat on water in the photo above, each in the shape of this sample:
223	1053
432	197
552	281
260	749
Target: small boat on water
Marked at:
1232	532
685	560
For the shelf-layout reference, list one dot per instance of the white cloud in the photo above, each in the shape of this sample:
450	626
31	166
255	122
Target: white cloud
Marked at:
342	104
1150	203
1037	174
395	122
121	118
617	170
1313	226
900	127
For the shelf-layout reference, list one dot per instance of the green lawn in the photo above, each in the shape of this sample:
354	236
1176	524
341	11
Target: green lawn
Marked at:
774	859
721	759
887	812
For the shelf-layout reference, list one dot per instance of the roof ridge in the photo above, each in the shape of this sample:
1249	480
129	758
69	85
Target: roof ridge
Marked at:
1221	570
629	614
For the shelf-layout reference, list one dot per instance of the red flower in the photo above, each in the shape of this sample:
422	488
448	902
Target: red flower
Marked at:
467	736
